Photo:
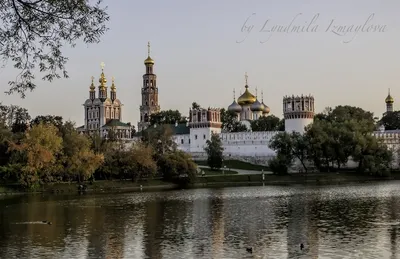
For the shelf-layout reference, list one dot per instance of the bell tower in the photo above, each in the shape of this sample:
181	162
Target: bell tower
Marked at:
149	93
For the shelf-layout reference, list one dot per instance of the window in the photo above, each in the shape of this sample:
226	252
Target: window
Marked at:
181	141
195	136
189	141
204	136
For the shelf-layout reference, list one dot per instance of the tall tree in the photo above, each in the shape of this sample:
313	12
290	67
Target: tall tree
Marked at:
195	105
391	120
166	117
214	152
230	123
56	121
33	33
15	117
40	148
269	123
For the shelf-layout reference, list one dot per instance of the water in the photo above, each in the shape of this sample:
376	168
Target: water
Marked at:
349	221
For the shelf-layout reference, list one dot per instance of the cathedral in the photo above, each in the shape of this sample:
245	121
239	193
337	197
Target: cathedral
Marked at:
103	115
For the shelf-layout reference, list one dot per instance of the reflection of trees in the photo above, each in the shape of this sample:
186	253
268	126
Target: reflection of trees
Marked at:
153	227
393	208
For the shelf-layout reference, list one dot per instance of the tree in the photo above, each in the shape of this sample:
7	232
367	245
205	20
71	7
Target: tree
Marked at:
15	117
230	123
166	117
78	160
195	106
159	138
288	147
391	120
57	121
269	123
140	162
214	152
33	33
40	147
177	167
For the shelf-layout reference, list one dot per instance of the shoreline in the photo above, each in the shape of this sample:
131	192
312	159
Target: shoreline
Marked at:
215	181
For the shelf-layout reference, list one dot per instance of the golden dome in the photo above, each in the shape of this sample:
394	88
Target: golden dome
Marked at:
149	60
113	88
257	107
246	97
266	109
389	99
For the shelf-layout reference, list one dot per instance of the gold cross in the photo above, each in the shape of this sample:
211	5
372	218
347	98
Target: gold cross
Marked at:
234	97
92	78
246	77
148	48
102	65
113	78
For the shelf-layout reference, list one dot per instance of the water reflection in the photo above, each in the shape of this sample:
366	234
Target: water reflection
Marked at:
357	221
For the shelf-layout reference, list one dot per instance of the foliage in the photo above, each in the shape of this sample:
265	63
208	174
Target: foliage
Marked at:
140	162
33	33
56	121
177	166
195	106
14	117
391	120
230	122
166	117
335	137
269	123
214	152
40	148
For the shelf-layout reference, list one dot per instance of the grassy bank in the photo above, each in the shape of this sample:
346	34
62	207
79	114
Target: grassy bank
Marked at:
236	164
209	180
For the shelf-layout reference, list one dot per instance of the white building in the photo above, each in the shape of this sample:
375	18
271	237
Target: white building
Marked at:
104	113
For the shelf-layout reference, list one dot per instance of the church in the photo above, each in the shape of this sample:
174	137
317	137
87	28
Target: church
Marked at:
103	115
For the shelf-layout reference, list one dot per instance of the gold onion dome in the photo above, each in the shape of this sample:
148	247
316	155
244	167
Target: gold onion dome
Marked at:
389	98
257	106
246	97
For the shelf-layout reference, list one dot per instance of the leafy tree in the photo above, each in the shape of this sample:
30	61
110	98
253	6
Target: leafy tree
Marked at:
391	120
288	147
269	123
40	148
214	152
160	139
57	121
177	167
230	123
33	33
78	160
15	117
281	125
141	162
195	106
166	117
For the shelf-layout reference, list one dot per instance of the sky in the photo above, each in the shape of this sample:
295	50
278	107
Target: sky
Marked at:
202	50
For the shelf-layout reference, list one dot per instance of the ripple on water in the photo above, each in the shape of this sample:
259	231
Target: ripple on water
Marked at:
346	221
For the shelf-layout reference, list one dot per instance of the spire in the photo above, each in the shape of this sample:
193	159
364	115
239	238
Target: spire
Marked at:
246	79
92	87
113	88
234	96
149	60
102	79
256	92
262	96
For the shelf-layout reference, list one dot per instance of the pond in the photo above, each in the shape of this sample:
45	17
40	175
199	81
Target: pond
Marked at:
345	221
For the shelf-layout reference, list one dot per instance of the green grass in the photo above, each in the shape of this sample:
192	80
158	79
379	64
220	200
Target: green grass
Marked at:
236	164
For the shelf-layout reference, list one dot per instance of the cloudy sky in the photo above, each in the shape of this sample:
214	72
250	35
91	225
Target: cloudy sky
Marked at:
342	52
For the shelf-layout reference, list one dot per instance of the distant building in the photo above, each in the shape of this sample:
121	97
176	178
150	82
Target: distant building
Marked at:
104	113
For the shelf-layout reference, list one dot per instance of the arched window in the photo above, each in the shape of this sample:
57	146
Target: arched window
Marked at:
181	141
204	136
146	118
